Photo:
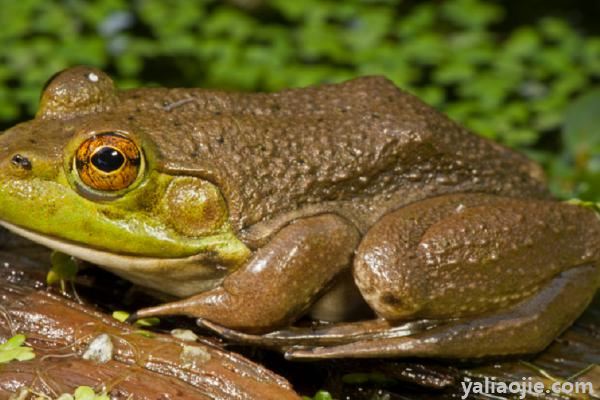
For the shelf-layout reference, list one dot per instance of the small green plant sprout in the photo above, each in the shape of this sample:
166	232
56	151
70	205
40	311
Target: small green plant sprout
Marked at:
64	269
122	316
588	204
142	322
13	349
320	395
84	393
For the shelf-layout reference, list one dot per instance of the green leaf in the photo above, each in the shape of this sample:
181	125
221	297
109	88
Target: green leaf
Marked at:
321	40
64	268
471	13
461	110
554	60
13	343
591	56
523	42
13	349
432	95
293	9
454	71
368	28
483	126
554	28
427	49
120	316
571	83
421	19
581	129
229	22
518	137
320	395
144	333
84	393
145	322
587	204
489	89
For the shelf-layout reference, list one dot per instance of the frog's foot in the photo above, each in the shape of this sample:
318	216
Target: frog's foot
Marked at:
322	335
527	327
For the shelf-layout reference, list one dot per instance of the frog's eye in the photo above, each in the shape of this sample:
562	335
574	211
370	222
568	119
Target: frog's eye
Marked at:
108	162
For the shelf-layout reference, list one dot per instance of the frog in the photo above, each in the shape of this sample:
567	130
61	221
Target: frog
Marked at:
355	206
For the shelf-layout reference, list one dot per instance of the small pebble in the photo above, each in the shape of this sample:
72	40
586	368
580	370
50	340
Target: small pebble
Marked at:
184	334
99	350
194	355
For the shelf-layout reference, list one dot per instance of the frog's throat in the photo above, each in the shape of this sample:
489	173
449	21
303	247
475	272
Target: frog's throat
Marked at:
132	267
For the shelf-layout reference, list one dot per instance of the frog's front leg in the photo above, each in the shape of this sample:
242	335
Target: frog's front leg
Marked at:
280	281
507	275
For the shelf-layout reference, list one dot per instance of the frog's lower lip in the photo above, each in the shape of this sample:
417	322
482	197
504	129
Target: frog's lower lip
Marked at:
128	266
95	256
190	275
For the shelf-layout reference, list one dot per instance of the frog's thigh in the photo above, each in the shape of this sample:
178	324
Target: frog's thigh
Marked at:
506	274
468	254
526	327
280	281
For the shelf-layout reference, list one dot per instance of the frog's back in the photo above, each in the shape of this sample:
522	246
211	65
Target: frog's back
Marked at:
359	148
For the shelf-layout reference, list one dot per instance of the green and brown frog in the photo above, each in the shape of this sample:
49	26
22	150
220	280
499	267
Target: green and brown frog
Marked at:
334	201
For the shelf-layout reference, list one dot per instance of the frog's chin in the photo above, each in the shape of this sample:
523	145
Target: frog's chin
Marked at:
176	276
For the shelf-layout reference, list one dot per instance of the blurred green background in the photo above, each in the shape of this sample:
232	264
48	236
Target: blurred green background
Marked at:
524	73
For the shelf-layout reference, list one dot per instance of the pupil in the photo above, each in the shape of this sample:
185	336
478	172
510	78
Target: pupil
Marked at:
108	159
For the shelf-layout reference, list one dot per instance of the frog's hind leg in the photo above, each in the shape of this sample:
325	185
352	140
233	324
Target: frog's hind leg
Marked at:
512	273
527	327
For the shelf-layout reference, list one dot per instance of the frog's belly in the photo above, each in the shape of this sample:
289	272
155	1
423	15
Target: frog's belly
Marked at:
342	302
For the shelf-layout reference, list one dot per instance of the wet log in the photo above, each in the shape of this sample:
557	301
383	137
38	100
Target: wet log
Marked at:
61	332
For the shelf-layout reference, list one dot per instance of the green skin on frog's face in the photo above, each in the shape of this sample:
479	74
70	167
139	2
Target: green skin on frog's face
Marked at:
137	213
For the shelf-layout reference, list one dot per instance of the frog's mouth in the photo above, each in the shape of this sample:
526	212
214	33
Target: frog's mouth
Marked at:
177	276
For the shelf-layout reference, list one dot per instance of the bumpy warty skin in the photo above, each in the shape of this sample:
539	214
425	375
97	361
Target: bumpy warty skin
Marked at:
360	148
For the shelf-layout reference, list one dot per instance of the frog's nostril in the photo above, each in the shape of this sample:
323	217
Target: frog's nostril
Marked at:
21	161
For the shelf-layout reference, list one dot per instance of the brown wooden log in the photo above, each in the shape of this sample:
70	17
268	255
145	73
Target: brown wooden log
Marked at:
162	367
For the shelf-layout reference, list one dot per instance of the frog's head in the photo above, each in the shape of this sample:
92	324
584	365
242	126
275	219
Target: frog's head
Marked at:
81	178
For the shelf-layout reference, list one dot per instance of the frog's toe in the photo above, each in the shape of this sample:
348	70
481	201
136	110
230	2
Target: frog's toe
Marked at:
319	352
132	318
228	333
320	335
277	340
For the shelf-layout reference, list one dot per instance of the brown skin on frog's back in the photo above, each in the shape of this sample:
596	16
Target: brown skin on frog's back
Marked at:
360	148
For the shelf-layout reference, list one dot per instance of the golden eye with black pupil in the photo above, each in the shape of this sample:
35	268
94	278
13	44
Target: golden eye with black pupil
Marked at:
108	159
108	162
